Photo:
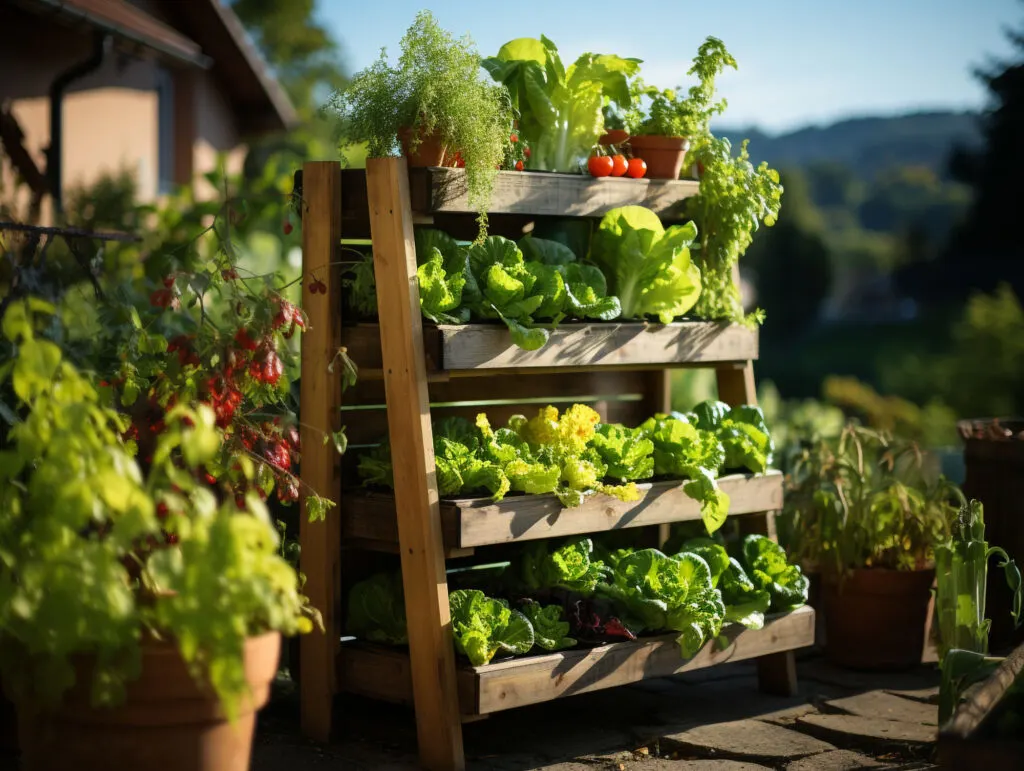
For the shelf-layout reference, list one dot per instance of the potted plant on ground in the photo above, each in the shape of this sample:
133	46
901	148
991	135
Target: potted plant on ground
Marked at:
433	105
873	517
672	123
140	613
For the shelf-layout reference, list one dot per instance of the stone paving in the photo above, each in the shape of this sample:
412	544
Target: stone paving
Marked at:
714	720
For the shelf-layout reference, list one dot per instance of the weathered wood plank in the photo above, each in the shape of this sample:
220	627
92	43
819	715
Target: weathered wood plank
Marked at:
438	726
472	522
559	195
381	673
612	344
321	396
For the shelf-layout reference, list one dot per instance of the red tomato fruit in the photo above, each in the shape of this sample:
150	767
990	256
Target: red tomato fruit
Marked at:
287	228
600	165
619	165
637	168
519	166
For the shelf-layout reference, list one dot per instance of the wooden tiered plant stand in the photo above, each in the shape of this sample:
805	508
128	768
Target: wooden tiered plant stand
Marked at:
411	373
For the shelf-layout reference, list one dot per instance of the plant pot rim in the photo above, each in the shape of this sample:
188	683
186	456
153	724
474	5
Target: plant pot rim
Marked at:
660	142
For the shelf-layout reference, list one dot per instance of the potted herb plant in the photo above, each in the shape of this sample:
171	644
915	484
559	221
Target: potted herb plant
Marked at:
140	612
673	123
432	105
868	513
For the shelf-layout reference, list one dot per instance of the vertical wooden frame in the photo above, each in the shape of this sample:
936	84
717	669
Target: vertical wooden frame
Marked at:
320	393
432	658
776	672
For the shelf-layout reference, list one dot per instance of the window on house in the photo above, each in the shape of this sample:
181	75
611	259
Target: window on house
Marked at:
165	132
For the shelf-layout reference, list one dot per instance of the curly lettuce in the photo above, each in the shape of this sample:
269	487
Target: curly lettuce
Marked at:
376	609
550	630
570	566
648	267
627	452
483	626
770	570
741	430
683	450
586	289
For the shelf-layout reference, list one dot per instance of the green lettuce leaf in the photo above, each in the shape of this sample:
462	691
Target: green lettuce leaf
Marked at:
711	552
768	568
745	604
375	468
741	430
568	566
560	109
376	609
627	452
482	626
550	631
648	268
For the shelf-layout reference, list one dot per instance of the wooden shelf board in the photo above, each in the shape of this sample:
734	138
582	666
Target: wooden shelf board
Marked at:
471	522
443	191
489	347
383	673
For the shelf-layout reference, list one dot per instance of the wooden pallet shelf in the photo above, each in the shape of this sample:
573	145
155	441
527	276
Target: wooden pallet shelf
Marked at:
469	348
383	673
411	373
471	522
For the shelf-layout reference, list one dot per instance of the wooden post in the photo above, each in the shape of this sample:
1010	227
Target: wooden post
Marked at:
431	657
776	672
320	394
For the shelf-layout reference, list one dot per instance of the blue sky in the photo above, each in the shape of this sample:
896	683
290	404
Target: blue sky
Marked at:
800	61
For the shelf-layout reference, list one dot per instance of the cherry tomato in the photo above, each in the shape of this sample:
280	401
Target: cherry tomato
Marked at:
600	165
287	228
513	138
618	165
519	166
637	168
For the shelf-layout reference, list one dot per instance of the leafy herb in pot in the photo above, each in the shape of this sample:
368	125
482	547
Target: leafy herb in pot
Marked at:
435	94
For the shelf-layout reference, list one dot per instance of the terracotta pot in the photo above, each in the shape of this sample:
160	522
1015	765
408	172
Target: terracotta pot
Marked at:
430	151
875	618
664	155
167	721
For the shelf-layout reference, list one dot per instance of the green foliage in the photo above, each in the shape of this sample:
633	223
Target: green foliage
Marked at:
741	430
933	424
376	609
682	450
627	452
436	88
735	197
671	116
961	571
304	55
745	602
649	267
482	627
94	553
768	568
550	632
863	500
571	566
560	108
662	592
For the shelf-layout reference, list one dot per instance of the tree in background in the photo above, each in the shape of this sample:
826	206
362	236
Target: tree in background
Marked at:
304	56
987	249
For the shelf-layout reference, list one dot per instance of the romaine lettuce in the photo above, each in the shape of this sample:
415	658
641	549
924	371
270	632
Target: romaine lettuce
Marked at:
768	568
648	268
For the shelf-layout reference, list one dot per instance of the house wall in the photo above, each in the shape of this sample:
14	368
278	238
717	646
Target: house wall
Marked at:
111	118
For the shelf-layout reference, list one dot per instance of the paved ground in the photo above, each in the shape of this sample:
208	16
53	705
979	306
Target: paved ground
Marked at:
712	720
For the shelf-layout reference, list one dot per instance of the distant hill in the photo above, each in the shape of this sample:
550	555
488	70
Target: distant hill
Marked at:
867	145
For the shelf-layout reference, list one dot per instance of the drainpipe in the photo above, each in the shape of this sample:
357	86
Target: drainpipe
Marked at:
101	45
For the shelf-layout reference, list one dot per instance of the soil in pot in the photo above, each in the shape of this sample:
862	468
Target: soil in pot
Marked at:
664	155
431	151
167	721
875	618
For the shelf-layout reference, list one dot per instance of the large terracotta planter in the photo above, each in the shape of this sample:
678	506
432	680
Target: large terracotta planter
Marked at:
430	151
664	155
875	618
167	721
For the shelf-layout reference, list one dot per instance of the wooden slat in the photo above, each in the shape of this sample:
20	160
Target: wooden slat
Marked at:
469	523
321	396
978	707
381	673
438	727
611	344
776	672
546	194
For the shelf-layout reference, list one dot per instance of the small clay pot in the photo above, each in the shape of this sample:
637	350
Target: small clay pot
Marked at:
876	618
431	151
167	721
664	155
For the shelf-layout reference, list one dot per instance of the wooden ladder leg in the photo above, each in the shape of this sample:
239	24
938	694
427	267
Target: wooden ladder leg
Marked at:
320	393
431	657
776	672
